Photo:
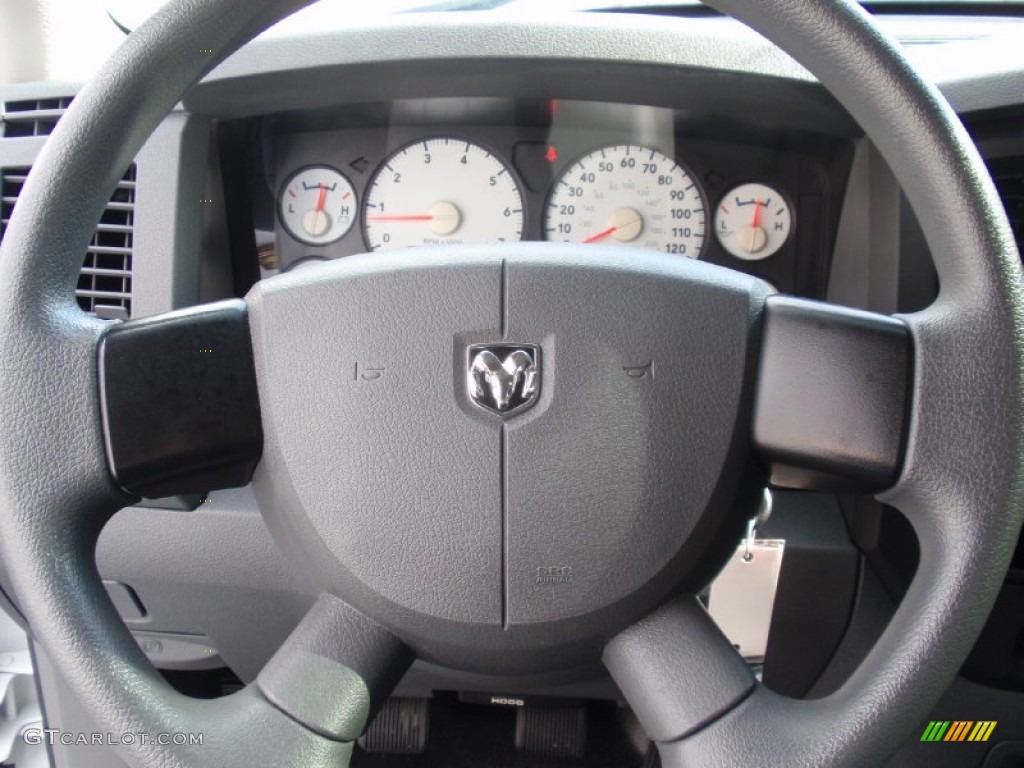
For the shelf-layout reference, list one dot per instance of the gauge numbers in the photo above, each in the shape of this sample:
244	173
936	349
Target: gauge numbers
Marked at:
628	195
442	191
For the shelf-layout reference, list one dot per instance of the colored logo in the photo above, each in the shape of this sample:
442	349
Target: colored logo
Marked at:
958	730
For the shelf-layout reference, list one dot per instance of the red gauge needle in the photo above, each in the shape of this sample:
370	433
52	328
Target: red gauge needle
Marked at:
601	235
757	214
320	199
415	217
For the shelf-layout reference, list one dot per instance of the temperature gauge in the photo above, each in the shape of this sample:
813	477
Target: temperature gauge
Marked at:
317	205
753	221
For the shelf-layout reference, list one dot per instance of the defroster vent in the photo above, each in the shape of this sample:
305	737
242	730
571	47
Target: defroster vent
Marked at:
105	283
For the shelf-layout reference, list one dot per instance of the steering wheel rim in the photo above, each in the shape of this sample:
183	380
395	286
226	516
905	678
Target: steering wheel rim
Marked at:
49	519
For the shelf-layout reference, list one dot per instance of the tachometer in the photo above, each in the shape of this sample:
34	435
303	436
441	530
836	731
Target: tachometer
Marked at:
442	191
628	195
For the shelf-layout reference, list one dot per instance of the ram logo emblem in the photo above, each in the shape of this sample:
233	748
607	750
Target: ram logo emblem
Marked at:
503	378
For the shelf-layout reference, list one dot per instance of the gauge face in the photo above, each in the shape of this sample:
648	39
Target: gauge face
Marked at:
317	205
442	191
627	195
753	221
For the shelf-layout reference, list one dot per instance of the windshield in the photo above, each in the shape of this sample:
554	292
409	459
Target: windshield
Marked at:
67	40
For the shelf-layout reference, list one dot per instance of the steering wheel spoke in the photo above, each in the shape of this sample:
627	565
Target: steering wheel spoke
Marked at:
179	401
698	700
677	670
832	396
335	670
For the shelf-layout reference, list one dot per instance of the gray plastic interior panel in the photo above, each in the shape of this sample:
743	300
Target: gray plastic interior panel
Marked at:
285	58
214	572
170	212
469	48
866	261
125	600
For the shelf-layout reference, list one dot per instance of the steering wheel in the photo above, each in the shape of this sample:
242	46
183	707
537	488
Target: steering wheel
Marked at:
541	508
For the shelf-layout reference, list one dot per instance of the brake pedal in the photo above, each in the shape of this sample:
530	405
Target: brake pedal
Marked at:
552	731
401	728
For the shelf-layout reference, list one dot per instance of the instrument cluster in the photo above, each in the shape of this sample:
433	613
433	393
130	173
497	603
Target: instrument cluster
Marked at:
448	172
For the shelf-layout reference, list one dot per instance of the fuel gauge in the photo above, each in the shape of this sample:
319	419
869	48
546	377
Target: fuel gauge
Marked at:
317	205
753	221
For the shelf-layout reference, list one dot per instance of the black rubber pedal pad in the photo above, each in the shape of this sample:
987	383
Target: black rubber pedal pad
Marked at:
402	727
552	731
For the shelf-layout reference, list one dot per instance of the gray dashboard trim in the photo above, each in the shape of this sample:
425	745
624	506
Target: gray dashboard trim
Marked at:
583	37
719	45
865	265
171	170
974	74
570	56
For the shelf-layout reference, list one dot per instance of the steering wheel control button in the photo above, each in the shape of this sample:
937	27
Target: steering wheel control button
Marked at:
831	396
178	398
503	378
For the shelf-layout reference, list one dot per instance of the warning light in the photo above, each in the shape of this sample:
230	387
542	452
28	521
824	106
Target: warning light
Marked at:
551	155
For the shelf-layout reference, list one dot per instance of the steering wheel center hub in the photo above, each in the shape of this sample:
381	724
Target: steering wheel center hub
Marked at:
510	448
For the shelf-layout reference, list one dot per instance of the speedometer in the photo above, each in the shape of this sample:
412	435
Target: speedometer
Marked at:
442	191
628	195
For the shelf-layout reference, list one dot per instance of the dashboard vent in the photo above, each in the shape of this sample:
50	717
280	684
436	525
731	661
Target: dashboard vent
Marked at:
1009	178
35	117
105	282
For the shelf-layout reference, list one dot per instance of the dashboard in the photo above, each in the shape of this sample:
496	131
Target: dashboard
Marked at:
458	171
